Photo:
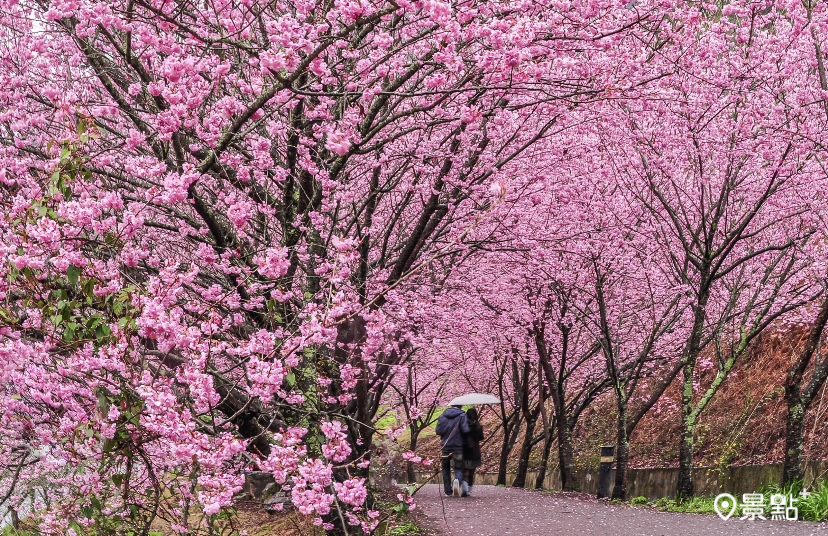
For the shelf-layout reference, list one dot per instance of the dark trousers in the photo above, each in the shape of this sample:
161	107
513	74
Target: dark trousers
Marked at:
469	474
446	460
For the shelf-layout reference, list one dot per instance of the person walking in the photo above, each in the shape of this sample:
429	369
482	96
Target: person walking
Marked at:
451	427
472	458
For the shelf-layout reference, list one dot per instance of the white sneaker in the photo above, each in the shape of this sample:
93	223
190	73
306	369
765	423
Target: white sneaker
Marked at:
455	487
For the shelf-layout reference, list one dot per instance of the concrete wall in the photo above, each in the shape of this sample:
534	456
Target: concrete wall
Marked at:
661	482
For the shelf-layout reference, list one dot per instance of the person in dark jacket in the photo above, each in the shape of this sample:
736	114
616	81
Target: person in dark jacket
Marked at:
451	426
471	450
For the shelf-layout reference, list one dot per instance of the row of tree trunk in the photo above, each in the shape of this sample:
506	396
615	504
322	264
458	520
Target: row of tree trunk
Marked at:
530	424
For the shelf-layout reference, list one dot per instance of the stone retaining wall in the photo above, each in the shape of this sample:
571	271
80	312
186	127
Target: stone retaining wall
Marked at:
655	483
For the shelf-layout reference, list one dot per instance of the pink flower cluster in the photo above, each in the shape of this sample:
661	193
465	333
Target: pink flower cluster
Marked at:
352	491
337	449
274	264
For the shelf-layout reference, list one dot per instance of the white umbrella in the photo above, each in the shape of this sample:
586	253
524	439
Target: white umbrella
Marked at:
474	399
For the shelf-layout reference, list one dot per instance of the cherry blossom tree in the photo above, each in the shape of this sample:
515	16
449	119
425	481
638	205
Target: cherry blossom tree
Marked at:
641	357
231	230
798	398
211	216
420	395
722	194
482	349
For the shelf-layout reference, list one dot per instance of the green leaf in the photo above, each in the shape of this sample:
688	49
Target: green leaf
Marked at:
291	379
88	287
69	332
400	508
94	321
72	274
102	331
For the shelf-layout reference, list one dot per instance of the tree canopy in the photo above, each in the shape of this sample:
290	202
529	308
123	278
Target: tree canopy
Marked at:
232	231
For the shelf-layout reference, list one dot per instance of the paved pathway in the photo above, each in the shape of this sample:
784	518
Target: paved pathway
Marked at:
494	511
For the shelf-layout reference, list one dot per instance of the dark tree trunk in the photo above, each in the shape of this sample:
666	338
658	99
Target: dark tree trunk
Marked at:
566	456
501	467
544	464
525	452
686	489
622	454
798	402
409	470
792	468
557	390
509	438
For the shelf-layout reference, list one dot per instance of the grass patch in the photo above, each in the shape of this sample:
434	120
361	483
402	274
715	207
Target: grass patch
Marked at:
384	420
8	531
814	507
696	505
406	528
